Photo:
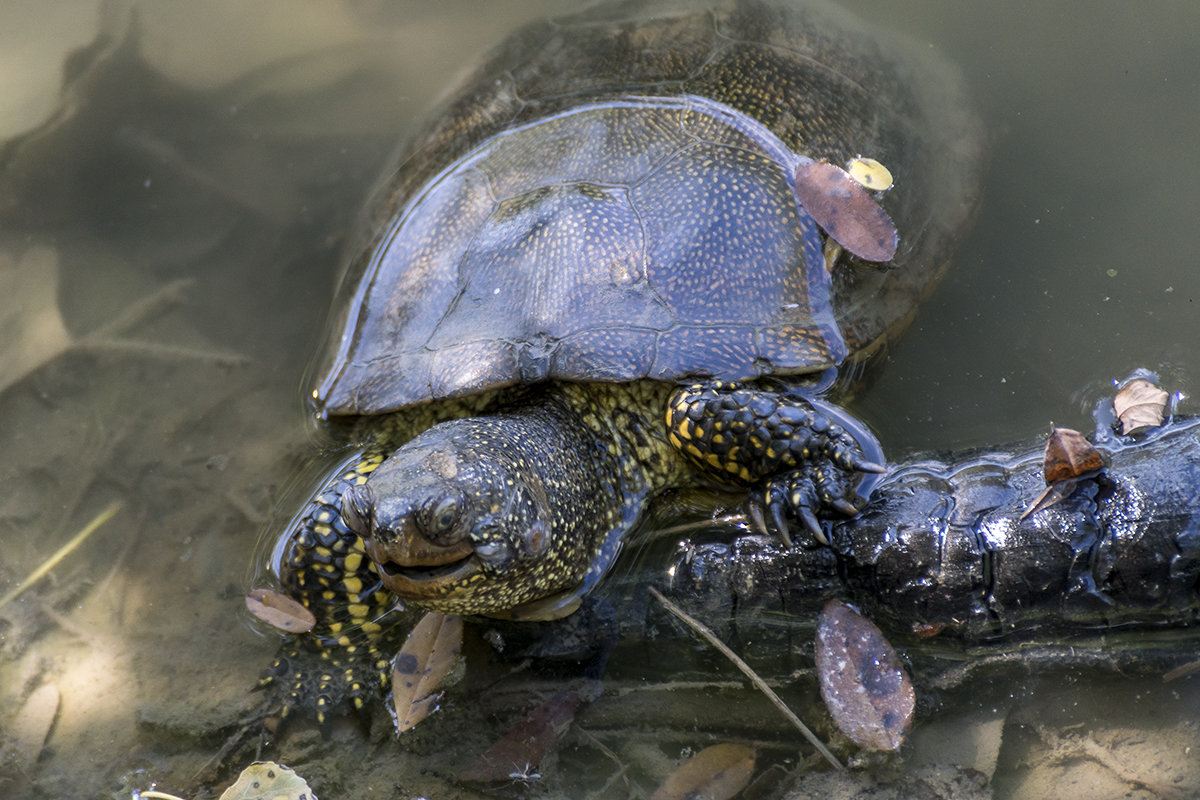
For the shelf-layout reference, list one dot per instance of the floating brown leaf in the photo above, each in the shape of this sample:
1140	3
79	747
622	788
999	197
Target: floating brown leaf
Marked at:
280	611
864	686
846	211
517	754
1069	455
266	780
428	655
1140	404
715	773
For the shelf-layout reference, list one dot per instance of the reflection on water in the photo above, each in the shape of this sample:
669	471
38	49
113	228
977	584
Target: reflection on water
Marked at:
221	156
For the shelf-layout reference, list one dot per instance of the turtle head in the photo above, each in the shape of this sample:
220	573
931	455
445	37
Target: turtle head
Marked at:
458	521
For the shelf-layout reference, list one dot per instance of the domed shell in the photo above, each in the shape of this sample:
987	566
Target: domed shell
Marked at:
612	200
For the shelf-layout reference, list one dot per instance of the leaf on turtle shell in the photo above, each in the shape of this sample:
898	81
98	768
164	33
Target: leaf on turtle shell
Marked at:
715	773
864	686
1140	404
266	780
280	611
1069	455
846	211
427	657
870	173
517	754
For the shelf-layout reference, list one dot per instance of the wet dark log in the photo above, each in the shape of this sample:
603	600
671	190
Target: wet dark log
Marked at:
942	551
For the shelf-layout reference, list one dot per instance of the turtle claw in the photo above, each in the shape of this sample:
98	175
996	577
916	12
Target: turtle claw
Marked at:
799	499
812	524
870	466
757	519
843	505
781	523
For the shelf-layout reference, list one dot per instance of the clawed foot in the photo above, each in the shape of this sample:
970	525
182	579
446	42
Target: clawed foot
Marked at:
811	491
811	458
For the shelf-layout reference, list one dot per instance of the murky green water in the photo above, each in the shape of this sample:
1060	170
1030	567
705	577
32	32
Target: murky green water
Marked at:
218	155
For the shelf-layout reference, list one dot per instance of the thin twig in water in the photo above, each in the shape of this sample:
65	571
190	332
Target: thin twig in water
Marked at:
106	337
143	309
1190	668
62	552
622	767
701	524
758	682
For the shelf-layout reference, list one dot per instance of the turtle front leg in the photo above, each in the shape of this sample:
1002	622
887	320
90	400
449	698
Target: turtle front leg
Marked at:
344	658
799	449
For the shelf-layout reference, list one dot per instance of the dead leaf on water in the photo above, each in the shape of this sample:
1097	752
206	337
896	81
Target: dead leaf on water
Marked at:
32	331
846	211
863	683
1069	455
31	725
715	773
266	780
429	653
1140	404
280	611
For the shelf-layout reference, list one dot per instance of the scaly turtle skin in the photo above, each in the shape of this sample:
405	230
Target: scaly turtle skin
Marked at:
591	281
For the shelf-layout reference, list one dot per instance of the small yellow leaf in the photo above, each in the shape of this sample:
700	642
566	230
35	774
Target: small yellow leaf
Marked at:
870	173
280	611
715	773
266	780
429	653
1140	404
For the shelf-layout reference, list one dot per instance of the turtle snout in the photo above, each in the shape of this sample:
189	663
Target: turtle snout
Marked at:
417	546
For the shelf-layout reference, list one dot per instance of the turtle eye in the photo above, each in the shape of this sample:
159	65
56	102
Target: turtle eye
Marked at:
444	516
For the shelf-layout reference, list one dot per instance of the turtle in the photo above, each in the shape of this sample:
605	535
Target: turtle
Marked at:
620	261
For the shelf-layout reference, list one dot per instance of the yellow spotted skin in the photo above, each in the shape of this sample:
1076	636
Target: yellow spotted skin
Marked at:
597	453
581	460
343	659
591	281
747	433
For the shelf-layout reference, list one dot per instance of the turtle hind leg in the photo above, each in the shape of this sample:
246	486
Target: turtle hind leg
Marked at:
344	661
810	458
